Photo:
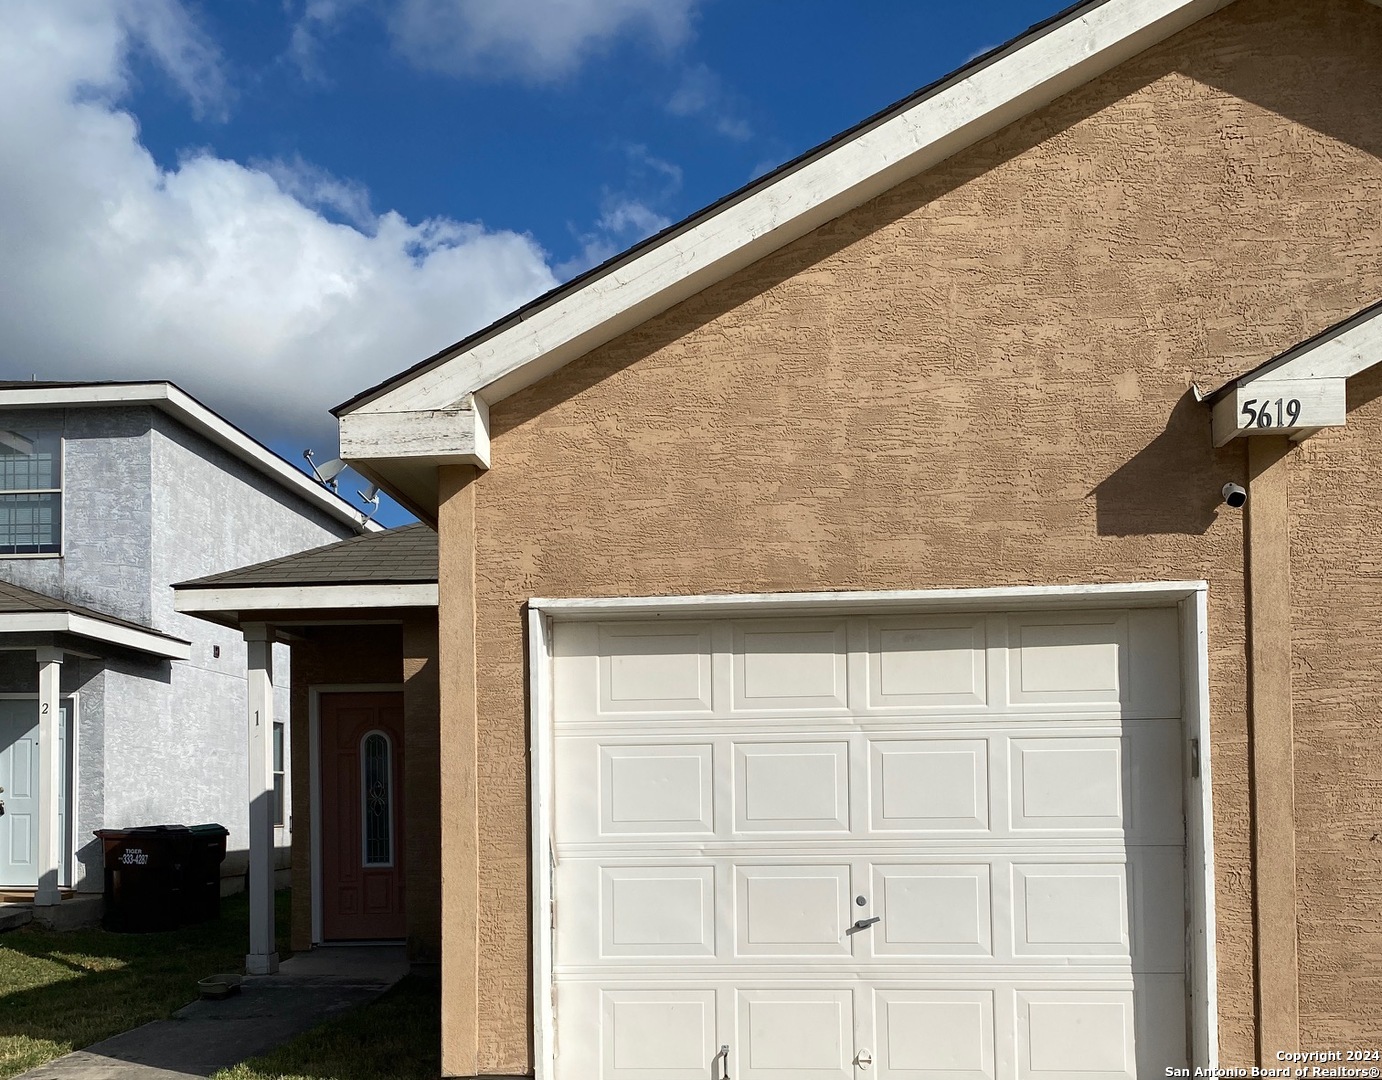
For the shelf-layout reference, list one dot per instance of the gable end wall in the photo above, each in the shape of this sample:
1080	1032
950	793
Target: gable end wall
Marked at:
980	379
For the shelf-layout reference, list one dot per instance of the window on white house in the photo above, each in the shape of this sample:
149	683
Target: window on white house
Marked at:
30	492
280	807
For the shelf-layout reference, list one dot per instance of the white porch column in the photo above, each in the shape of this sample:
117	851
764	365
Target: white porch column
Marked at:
50	765
262	959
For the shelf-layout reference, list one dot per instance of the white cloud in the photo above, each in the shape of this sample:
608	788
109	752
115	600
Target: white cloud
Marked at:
701	92
623	222
181	48
629	215
318	19
311	185
224	277
537	40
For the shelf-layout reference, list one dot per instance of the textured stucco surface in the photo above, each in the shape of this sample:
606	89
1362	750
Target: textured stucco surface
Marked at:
146	503
107	526
1336	600
980	379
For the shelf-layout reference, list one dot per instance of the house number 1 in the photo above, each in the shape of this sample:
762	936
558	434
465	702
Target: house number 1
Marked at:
1287	412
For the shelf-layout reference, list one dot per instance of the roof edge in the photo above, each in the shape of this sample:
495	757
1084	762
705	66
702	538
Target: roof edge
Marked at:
171	399
1300	349
1083	42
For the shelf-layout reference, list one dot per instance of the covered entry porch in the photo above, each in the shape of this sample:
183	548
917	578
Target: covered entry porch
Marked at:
354	770
52	652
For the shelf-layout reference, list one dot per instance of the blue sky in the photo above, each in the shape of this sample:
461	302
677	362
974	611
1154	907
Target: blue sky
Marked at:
277	203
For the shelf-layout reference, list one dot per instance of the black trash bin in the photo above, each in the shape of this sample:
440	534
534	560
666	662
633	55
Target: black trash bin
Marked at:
202	873
144	876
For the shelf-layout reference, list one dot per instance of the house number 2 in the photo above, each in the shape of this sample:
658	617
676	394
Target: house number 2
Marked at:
1283	412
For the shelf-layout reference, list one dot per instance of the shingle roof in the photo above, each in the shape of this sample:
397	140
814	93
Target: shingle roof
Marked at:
15	600
403	556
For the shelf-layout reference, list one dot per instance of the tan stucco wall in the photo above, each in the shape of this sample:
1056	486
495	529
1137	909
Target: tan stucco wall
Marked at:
1336	592
980	379
422	777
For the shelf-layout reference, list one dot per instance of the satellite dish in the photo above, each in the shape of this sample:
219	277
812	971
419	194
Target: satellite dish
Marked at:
327	471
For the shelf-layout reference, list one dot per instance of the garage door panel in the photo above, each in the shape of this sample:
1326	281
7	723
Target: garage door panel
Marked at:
797	1033
1066	784
1156	903
934	1034
928	662
934	909
1066	659
657	1034
1153	763
929	785
1070	910
1089	1033
786	786
656	789
791	664
655	668
1154	677
792	912
657	911
1159	1023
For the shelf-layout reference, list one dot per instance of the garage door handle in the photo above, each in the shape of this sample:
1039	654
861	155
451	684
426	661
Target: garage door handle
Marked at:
723	1054
864	924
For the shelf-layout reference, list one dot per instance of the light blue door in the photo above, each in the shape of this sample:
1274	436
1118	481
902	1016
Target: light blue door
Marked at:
19	778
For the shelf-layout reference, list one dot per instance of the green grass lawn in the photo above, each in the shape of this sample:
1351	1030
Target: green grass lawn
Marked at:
396	1037
63	991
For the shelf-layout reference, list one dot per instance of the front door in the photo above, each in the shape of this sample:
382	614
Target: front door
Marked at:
362	817
19	777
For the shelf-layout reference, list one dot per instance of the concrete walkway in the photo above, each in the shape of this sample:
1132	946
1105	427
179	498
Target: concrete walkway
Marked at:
269	1011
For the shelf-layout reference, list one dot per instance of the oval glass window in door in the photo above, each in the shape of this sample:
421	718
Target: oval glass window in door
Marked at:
376	766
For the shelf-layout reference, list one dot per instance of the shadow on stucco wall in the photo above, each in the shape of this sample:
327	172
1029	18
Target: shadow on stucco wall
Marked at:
1172	485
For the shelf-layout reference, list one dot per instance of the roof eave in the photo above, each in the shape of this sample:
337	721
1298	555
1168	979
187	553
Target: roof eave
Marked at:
170	398
1302	390
914	136
92	628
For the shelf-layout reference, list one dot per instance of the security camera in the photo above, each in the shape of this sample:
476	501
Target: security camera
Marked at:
1235	495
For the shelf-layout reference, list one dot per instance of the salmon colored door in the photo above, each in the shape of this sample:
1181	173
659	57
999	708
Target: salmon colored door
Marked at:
362	817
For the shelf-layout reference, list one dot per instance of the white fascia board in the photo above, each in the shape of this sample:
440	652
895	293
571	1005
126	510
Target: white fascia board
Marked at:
453	436
957	115
1128	594
193	414
229	599
67	622
1303	390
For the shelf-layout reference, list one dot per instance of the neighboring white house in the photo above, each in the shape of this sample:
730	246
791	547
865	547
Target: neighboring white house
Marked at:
115	710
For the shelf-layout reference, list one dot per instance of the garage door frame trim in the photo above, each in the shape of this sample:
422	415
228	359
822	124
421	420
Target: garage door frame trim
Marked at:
1189	597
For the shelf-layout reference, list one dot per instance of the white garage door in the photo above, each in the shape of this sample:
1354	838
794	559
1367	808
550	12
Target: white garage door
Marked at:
917	848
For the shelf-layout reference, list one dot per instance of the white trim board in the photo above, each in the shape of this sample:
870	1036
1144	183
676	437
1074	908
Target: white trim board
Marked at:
195	600
69	622
1312	377
911	138
314	794
1009	598
1189	597
190	412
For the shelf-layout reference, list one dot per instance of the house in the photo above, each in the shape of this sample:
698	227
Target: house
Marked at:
359	617
920	613
115	710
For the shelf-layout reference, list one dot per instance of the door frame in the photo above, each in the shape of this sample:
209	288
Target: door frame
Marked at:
314	761
67	871
1189	597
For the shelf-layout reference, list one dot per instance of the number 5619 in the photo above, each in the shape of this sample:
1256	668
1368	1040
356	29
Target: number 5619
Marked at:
1283	412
